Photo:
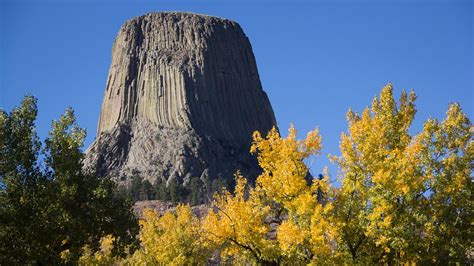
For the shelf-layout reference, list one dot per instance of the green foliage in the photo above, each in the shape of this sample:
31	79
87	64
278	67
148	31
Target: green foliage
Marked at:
139	190
196	191
219	185
48	214
176	191
22	193
162	192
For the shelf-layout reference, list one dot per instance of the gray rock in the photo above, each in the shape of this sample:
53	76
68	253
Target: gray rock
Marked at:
182	100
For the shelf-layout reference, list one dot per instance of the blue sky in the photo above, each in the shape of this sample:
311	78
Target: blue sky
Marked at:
316	58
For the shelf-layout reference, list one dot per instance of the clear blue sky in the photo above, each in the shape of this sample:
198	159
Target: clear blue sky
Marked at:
316	58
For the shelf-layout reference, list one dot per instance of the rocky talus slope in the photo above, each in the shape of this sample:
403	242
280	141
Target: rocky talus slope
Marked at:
182	99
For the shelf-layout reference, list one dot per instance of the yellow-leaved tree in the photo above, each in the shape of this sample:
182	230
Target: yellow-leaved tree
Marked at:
300	204
172	239
448	154
397	190
236	226
103	256
286	217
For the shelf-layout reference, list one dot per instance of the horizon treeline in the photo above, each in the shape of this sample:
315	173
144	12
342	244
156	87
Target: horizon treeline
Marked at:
403	198
195	192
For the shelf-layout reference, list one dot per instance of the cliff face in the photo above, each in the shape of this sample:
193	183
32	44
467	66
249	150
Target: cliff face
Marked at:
183	97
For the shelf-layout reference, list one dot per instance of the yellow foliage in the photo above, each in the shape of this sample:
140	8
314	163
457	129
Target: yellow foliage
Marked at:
236	224
308	231
390	179
173	239
290	236
284	172
103	256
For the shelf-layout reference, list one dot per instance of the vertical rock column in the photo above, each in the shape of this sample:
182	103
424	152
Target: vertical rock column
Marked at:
183	97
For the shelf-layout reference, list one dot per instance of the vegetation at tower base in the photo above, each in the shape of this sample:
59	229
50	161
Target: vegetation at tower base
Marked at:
195	192
401	199
50	207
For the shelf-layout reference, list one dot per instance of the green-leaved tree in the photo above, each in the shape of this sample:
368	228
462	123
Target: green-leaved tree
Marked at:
50	206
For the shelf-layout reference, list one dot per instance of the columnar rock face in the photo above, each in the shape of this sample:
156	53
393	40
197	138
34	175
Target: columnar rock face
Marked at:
183	97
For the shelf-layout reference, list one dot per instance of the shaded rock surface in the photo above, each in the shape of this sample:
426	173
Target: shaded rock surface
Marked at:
182	99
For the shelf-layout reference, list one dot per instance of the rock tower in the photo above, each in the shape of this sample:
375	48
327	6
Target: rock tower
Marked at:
183	97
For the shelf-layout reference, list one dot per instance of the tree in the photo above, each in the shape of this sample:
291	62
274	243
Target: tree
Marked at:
174	238
136	188
22	188
103	256
379	162
88	205
448	154
141	189
53	212
219	184
283	197
305	226
236	226
404	199
162	190
196	191
174	190
146	192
